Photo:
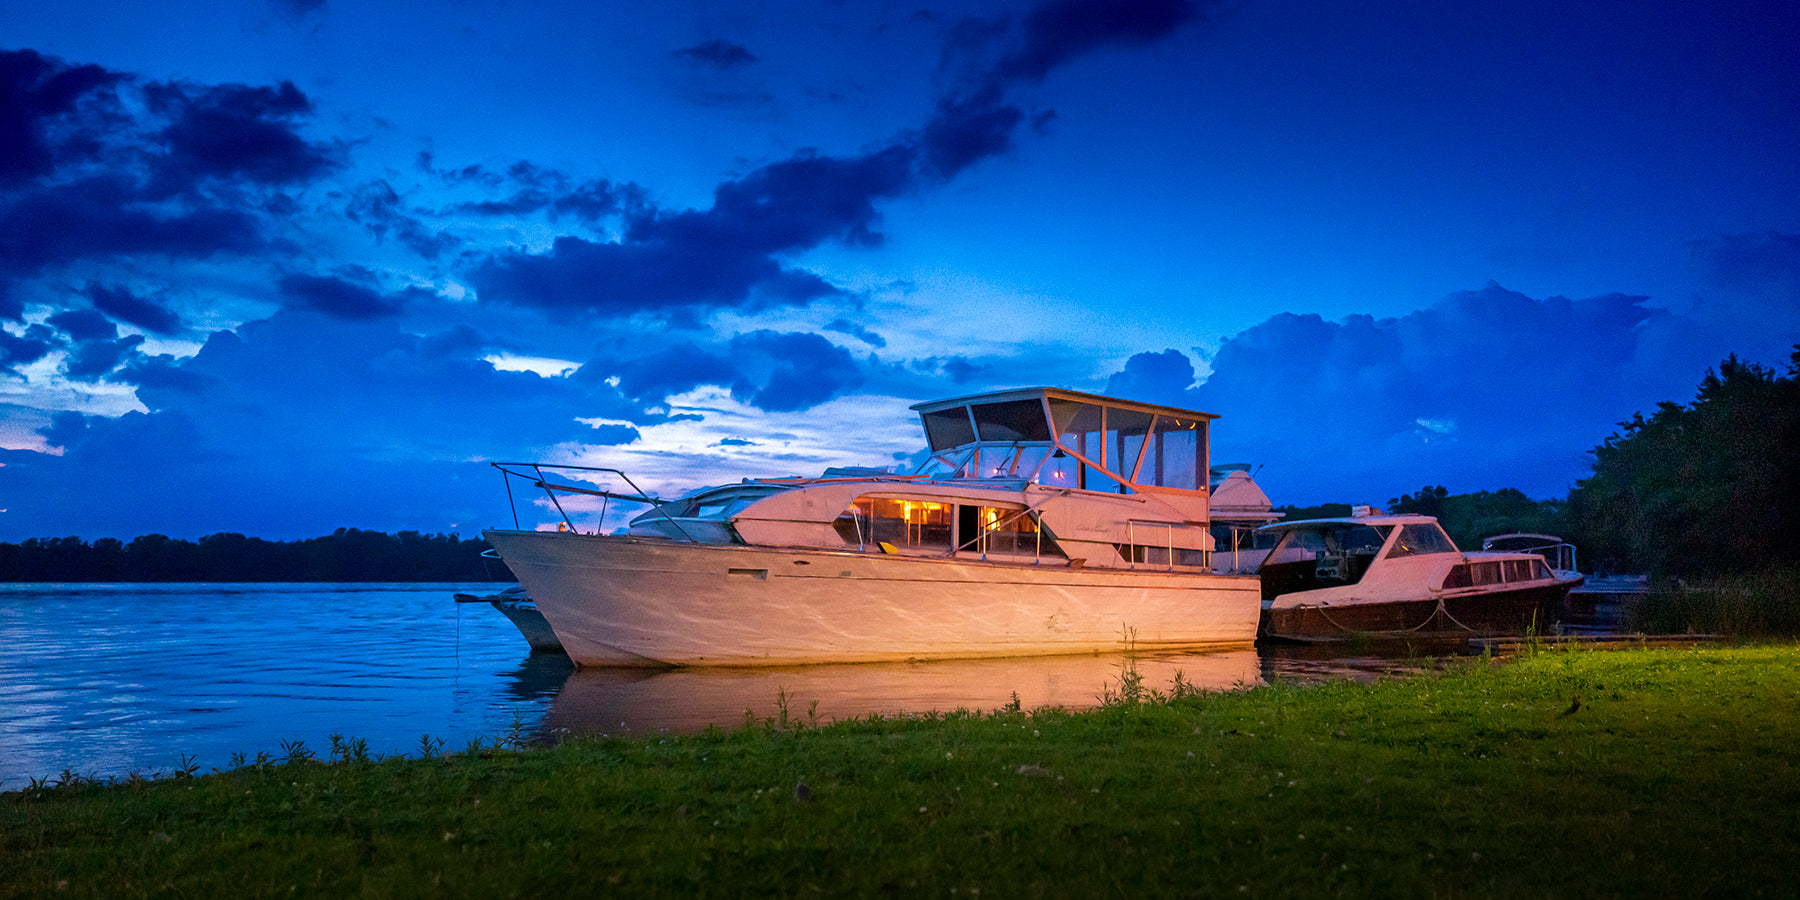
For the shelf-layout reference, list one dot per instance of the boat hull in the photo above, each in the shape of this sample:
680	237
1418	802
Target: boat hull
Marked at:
1464	615
627	601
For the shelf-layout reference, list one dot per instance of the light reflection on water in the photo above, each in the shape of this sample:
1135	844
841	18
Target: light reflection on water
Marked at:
107	680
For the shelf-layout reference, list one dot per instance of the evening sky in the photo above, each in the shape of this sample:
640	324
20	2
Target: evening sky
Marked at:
281	266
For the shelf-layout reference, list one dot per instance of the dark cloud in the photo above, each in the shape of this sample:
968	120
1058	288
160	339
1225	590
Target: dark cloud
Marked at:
729	255
188	173
23	350
666	370
1164	377
724	256
236	132
1482	390
338	297
774	371
1766	259
368	425
95	359
534	188
85	325
845	326
124	306
40	127
721	54
627	278
378	209
964	132
788	372
1054	33
105	216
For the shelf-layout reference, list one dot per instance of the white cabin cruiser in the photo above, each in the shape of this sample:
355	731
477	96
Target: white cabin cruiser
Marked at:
1044	522
1400	576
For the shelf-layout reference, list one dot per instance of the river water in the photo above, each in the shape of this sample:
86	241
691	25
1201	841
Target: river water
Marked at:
104	681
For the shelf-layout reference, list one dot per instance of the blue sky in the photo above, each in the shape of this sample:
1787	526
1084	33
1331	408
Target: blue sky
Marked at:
282	266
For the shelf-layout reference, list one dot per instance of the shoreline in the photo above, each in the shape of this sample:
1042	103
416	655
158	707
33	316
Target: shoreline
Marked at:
1659	771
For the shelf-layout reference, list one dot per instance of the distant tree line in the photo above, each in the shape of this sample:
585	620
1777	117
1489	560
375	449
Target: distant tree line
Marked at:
347	554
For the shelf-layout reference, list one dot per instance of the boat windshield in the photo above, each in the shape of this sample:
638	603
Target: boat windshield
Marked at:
1011	460
1421	538
1330	539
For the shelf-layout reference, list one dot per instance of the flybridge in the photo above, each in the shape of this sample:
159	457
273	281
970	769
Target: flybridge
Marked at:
1068	439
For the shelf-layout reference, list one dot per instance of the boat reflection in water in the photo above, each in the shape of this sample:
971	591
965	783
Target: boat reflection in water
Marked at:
614	701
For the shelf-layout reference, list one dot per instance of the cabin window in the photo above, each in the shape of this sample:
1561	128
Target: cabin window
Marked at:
1486	573
1496	572
1421	539
1172	455
1150	555
1081	431
996	531
902	523
1125	433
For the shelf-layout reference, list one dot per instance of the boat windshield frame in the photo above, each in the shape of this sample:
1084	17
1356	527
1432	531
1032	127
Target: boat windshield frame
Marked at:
1068	439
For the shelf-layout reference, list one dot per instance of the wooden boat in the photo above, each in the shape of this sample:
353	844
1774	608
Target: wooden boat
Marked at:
1043	522
1400	576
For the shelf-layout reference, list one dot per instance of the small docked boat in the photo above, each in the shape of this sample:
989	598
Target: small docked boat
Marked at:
1043	522
1400	576
1599	603
515	604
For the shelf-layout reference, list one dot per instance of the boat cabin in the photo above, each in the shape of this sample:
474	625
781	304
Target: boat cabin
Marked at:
1322	553
1035	474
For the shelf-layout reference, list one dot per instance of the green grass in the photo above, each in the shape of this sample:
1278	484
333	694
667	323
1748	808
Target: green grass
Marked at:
1674	775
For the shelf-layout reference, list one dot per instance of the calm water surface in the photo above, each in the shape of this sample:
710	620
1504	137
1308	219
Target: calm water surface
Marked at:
107	680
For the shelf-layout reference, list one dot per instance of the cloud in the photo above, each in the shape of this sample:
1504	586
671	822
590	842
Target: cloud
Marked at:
338	297
300	423
1056	32
718	53
845	326
235	131
23	350
124	306
106	217
85	325
732	254
183	172
725	256
790	372
1482	390
1164	377
43	123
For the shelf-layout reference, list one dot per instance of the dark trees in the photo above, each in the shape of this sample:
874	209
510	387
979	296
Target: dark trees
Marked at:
1705	489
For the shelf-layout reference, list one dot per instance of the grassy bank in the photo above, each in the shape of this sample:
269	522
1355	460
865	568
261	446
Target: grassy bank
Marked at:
1658	772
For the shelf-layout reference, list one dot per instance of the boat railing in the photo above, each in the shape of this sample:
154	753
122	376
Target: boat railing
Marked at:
535	474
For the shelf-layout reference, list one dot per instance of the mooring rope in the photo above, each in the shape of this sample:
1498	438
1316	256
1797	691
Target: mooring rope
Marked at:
1434	614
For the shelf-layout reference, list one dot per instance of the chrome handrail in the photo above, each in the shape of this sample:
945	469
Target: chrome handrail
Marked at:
510	470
